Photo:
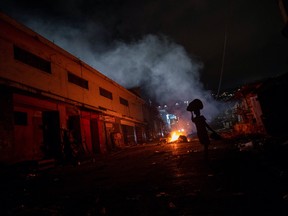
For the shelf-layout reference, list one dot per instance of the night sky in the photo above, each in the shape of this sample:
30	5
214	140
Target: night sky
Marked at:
173	48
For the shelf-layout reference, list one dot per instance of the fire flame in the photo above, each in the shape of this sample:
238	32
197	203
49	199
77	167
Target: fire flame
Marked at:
174	136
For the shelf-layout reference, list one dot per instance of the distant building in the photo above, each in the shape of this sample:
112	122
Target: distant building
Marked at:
45	91
176	117
259	108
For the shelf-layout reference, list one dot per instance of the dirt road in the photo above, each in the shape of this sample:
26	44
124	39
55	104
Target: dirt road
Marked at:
152	179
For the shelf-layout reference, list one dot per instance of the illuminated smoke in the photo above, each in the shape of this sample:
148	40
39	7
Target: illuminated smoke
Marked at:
161	67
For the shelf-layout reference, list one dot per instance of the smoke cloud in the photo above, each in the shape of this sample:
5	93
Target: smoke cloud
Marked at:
162	68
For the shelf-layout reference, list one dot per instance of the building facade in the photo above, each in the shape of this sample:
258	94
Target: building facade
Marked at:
46	92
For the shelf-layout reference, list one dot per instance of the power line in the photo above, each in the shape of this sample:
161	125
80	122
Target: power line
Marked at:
223	61
224	49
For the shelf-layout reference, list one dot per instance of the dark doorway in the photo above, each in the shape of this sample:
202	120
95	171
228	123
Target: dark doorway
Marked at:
128	134
74	127
51	135
95	136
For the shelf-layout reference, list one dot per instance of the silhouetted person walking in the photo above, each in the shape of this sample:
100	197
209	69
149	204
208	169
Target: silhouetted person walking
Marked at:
201	124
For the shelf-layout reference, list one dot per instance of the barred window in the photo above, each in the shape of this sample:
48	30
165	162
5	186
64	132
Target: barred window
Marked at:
105	93
77	80
30	59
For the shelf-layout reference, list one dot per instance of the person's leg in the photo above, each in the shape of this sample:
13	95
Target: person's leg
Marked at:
206	151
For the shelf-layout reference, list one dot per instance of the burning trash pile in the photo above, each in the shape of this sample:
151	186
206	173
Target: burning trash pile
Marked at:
174	137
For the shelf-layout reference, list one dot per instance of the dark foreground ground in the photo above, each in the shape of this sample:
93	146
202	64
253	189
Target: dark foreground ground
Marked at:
153	179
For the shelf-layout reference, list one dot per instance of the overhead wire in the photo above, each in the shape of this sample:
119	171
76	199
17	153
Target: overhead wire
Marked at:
224	49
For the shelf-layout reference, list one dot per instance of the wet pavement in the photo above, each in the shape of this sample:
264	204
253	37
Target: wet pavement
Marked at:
153	179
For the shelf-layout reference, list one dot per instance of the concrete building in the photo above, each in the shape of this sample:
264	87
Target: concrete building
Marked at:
45	92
